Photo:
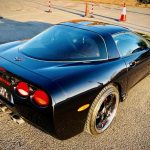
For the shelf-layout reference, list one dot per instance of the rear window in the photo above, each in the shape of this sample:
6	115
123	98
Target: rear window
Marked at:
65	43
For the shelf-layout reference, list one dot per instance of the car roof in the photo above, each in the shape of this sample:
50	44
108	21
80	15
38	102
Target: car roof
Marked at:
96	26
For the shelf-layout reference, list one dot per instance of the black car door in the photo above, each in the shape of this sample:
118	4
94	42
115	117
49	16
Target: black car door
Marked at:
135	52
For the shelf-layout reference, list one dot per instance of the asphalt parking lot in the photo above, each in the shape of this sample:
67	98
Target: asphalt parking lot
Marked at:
130	129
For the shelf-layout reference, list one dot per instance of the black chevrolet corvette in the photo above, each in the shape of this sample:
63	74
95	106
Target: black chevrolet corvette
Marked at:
72	76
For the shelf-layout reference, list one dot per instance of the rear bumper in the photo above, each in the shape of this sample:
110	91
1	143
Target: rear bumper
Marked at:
39	118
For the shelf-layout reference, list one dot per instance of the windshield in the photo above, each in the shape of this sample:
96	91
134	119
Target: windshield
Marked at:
65	43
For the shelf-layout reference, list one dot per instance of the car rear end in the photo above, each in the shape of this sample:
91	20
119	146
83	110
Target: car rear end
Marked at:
20	93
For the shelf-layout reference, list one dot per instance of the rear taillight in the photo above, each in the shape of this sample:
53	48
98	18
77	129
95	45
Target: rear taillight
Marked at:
23	89
41	98
2	69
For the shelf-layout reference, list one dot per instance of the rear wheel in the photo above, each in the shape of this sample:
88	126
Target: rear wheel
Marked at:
103	110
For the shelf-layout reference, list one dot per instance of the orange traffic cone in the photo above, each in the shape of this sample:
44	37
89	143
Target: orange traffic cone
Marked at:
123	13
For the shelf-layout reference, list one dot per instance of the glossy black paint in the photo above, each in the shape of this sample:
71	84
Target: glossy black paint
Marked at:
71	85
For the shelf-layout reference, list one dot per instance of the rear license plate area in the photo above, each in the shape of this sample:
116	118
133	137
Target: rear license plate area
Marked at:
6	95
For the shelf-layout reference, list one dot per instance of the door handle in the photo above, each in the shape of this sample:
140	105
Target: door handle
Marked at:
132	64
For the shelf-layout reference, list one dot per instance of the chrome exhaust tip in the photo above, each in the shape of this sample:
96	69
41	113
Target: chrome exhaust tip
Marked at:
16	118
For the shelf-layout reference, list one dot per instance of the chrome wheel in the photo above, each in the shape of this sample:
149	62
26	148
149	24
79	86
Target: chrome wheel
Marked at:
103	110
106	113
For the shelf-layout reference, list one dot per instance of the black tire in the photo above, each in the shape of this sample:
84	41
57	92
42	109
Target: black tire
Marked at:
95	110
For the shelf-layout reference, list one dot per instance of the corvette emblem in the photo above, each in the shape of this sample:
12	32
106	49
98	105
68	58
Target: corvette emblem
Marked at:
18	59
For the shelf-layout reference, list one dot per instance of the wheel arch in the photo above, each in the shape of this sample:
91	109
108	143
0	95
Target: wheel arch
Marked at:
121	90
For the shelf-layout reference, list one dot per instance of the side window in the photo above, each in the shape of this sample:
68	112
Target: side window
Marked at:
129	43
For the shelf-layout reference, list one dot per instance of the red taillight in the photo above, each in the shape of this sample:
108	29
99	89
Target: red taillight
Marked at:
41	98
2	69
4	81
23	89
